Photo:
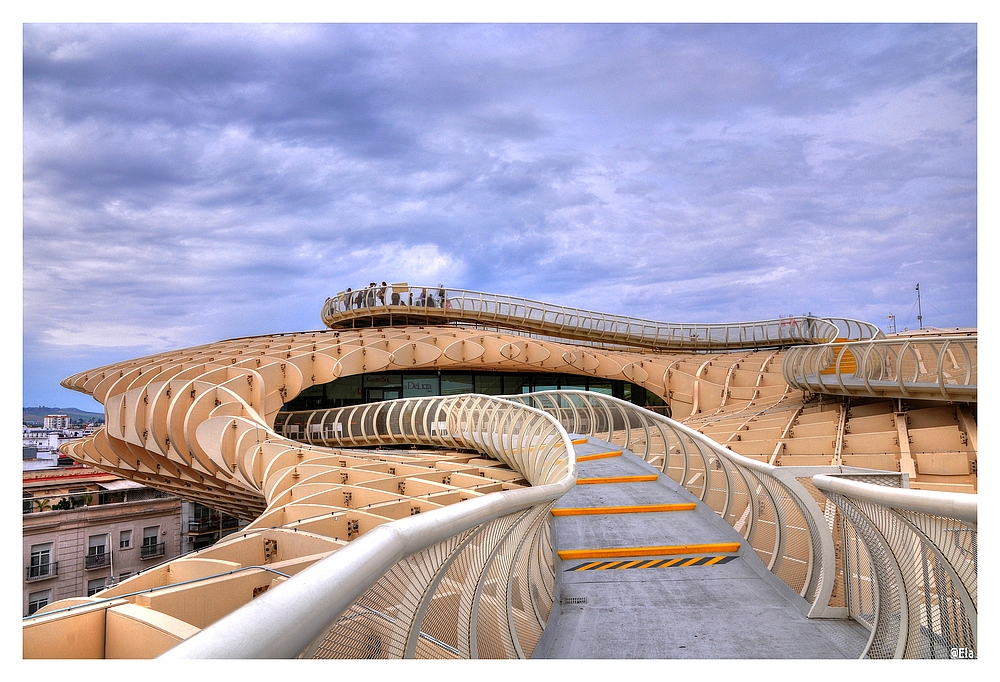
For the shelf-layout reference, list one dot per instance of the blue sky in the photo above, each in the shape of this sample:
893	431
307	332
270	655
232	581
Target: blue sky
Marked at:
188	183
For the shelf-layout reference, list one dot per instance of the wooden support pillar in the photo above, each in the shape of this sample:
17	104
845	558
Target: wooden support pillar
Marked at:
906	464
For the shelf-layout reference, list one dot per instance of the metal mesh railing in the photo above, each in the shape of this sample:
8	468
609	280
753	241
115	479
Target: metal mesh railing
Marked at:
470	596
405	304
778	515
911	562
931	368
471	579
475	579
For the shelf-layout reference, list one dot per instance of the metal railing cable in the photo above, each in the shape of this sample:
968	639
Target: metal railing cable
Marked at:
438	575
406	304
912	567
933	368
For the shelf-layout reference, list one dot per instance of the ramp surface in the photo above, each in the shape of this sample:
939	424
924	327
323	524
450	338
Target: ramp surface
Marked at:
677	582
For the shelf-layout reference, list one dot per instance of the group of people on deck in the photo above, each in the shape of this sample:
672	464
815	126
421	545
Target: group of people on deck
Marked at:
377	295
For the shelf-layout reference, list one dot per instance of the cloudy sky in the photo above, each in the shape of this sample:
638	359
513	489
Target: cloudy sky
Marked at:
189	183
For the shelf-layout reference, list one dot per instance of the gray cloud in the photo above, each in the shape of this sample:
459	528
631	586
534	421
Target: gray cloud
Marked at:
185	183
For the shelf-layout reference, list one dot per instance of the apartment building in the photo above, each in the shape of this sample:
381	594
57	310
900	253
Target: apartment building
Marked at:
84	530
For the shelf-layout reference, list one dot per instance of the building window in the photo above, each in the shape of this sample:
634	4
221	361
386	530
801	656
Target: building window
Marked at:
41	562
124	575
97	556
456	384
95	586
488	384
151	545
37	600
125	539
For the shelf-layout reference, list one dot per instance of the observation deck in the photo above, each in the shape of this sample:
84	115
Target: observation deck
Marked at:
402	304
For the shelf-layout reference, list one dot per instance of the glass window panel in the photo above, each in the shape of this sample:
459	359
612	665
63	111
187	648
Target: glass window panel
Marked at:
415	385
37	600
515	384
653	399
489	385
382	380
601	386
345	388
312	392
455	384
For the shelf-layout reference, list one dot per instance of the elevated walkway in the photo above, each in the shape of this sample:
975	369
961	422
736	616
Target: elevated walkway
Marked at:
923	368
402	304
678	582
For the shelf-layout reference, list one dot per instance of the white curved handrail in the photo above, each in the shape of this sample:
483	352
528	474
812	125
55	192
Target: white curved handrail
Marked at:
770	506
404	304
293	618
960	506
928	367
915	561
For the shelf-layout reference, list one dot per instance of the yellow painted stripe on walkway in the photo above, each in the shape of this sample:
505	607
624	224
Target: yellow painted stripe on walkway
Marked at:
614	565
616	479
632	563
664	550
632	509
608	565
580	441
603	455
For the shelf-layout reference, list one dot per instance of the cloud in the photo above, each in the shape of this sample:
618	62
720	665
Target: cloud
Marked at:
104	335
185	183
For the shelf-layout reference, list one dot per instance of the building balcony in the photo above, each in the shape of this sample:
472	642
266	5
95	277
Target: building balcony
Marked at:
95	561
151	551
42	571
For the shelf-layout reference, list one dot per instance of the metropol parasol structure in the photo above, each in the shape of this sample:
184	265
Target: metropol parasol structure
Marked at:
399	472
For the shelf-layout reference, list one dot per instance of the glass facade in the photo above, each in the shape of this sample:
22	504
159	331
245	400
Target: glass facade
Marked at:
378	386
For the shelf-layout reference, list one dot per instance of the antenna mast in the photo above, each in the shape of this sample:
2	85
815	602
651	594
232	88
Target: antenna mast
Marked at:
920	317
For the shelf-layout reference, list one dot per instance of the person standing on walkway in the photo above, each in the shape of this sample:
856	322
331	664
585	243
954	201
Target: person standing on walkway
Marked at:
381	294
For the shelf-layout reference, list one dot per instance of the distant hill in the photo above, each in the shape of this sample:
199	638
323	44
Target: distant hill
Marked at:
37	414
